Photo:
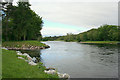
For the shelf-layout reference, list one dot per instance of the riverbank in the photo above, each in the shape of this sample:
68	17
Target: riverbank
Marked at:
100	42
24	45
13	67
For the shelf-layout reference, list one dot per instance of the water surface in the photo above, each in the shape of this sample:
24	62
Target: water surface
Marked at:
82	60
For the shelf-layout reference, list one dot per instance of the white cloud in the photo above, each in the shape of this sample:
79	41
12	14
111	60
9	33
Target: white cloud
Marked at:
57	31
79	14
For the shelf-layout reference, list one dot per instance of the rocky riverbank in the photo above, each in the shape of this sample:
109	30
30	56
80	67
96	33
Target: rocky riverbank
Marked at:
24	45
35	62
27	48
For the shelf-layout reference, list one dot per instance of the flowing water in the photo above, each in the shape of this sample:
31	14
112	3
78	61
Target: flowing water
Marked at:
81	60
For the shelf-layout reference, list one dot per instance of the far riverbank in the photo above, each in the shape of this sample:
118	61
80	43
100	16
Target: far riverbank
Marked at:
100	42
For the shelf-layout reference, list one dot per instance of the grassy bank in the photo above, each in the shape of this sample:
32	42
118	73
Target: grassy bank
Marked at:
13	67
100	42
20	44
0	64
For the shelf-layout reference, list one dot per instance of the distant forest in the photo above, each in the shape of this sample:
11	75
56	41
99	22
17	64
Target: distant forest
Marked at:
103	33
20	23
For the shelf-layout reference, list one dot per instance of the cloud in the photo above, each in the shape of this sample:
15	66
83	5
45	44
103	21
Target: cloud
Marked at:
50	31
86	14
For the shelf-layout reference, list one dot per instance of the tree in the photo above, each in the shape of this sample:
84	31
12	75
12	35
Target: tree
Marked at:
24	23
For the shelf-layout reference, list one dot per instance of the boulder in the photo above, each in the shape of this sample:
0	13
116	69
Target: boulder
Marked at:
29	58
66	76
25	54
19	53
32	63
34	59
4	48
50	71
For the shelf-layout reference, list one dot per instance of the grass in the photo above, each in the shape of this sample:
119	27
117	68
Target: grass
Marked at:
19	44
101	42
0	64
13	67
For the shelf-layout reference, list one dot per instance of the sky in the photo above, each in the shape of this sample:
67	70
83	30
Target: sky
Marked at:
74	16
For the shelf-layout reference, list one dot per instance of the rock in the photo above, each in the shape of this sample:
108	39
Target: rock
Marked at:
25	54
19	53
32	63
34	59
20	58
29	58
60	75
66	76
4	48
50	71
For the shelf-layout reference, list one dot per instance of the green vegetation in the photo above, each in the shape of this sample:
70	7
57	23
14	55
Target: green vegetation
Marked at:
19	44
101	42
104	33
21	23
0	63
17	68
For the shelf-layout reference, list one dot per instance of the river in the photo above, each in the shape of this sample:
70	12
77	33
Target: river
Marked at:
81	60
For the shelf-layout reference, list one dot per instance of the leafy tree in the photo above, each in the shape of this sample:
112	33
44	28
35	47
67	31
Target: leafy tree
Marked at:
21	23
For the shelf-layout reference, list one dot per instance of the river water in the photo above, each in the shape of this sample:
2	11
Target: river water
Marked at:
81	60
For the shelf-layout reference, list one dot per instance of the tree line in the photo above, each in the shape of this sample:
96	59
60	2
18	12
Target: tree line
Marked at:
103	33
20	23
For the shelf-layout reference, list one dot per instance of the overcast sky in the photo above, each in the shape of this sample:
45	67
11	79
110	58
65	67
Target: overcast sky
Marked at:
74	16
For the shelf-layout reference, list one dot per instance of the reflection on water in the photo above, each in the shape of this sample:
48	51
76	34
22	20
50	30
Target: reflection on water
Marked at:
82	60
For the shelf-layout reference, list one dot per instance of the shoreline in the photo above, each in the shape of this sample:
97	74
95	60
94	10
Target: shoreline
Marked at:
95	42
100	42
21	59
30	61
24	45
